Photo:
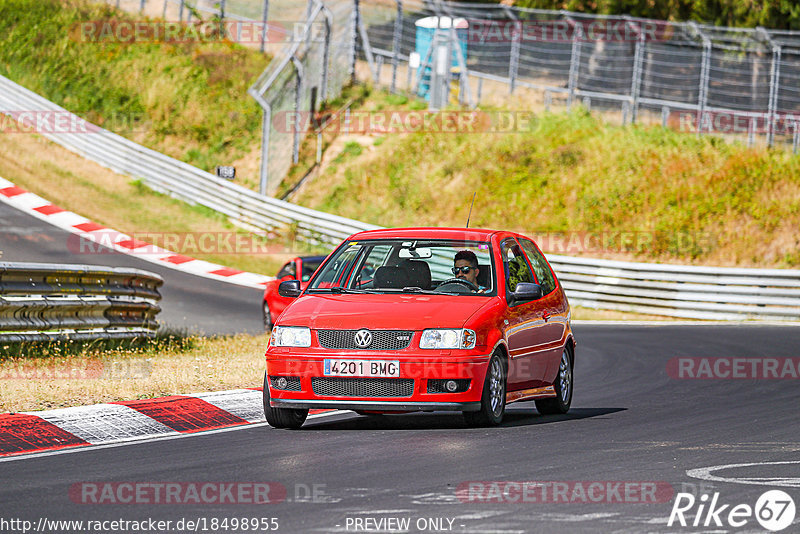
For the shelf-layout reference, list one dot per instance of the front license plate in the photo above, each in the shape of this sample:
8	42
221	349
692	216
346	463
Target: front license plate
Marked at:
382	368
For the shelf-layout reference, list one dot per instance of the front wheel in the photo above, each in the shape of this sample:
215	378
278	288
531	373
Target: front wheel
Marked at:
267	317
563	386
282	417
493	399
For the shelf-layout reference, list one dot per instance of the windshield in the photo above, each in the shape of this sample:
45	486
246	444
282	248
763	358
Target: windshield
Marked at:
407	265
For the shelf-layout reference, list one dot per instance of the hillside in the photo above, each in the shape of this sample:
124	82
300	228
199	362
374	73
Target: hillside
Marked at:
581	185
185	98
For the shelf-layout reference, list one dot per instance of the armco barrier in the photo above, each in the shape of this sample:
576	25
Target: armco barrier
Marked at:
672	290
680	291
41	301
180	179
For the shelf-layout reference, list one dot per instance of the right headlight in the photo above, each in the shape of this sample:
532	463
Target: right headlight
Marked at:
291	336
447	338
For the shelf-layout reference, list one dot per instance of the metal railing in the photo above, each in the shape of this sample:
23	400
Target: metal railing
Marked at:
672	290
698	78
730	80
181	180
716	293
42	302
680	291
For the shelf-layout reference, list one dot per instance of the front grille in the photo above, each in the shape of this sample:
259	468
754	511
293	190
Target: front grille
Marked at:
362	387
292	383
437	385
381	339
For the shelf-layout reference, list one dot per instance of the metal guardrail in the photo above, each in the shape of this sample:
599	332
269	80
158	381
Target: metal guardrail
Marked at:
181	180
43	302
715	293
672	290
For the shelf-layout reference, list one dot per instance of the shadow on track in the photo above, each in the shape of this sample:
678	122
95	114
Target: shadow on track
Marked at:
443	420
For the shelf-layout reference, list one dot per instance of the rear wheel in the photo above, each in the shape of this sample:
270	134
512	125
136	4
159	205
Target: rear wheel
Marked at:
563	386
493	399
282	417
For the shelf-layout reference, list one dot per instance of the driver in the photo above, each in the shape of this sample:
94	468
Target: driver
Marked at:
466	268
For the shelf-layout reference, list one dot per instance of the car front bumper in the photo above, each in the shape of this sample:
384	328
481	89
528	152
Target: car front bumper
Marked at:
381	406
417	397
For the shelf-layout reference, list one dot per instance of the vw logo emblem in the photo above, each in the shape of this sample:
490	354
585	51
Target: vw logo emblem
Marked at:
363	338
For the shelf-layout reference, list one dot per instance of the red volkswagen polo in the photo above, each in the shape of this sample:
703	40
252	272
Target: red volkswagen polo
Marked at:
423	319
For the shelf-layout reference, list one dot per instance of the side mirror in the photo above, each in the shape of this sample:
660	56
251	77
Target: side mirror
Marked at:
525	291
289	289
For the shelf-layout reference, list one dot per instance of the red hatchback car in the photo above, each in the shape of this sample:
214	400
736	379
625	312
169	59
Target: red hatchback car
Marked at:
300	268
423	319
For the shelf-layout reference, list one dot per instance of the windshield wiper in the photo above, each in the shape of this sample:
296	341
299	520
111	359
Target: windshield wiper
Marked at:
339	290
415	289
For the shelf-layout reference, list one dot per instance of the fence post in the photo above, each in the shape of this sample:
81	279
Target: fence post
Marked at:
164	14
326	51
664	116
702	95
141	5
222	10
751	132
264	16
774	84
795	137
396	43
636	81
513	63
574	61
356	20
298	65
180	10
265	137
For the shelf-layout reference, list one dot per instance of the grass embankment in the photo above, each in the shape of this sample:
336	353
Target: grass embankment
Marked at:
576	179
116	201
186	99
62	375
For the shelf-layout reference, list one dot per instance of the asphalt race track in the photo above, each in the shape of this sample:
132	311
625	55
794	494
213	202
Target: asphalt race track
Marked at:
630	422
189	302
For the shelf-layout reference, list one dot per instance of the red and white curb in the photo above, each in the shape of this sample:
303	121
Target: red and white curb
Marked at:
119	242
117	422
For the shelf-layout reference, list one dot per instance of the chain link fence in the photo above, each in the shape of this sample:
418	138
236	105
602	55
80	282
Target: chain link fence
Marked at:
693	77
698	78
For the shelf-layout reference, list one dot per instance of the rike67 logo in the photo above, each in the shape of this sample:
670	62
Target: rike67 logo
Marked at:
774	510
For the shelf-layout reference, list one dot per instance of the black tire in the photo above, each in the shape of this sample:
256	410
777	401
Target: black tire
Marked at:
563	386
267	317
493	398
282	417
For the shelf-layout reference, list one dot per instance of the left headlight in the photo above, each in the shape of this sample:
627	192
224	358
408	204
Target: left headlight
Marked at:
291	336
447	338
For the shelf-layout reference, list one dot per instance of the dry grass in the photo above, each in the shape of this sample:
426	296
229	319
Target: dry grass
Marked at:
118	374
690	200
61	376
68	180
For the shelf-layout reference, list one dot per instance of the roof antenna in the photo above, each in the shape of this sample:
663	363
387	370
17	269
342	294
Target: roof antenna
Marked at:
470	208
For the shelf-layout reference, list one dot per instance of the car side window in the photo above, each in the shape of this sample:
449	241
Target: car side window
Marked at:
288	269
309	268
543	273
514	264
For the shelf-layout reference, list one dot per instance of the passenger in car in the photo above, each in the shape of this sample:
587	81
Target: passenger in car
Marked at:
466	267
